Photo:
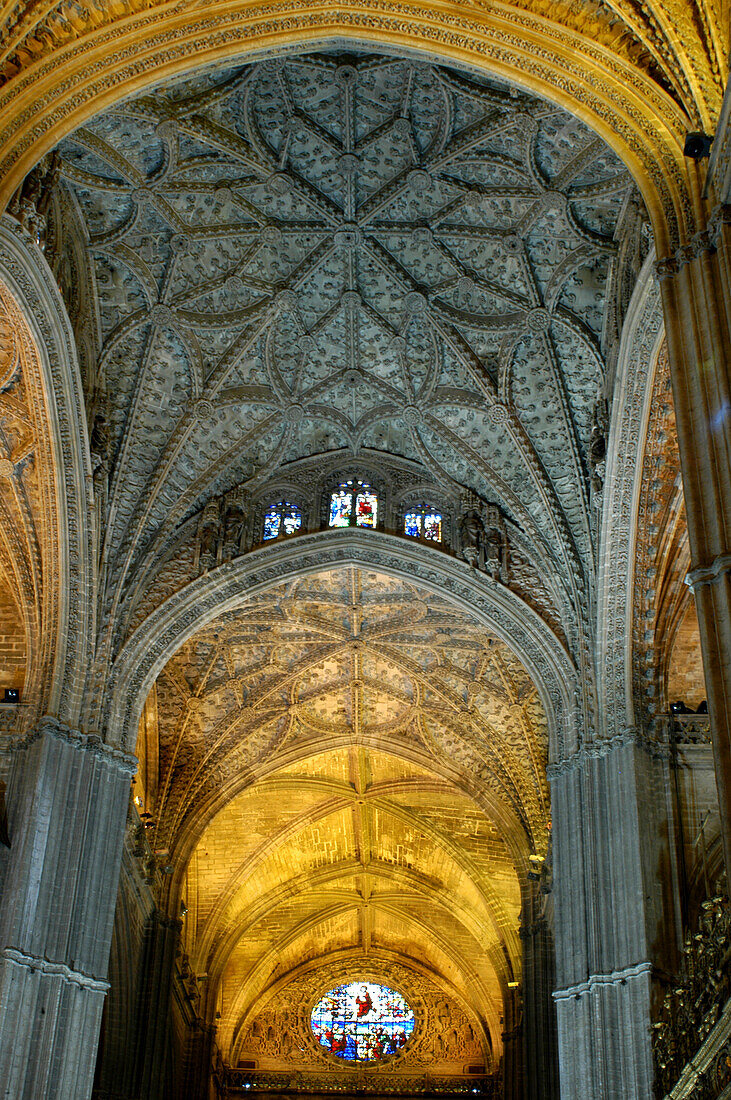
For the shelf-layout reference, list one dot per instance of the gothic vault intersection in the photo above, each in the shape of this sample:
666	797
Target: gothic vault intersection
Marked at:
346	253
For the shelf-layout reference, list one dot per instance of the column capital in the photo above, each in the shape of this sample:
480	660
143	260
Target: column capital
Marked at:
704	241
35	963
604	746
85	742
160	918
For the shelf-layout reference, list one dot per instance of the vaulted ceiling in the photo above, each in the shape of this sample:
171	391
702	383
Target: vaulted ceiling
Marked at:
346	254
331	253
348	766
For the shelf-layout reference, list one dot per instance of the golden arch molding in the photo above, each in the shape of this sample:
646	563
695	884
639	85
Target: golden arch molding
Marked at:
61	87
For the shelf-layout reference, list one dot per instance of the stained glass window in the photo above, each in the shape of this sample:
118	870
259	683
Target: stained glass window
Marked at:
362	1021
353	503
282	519
366	508
341	508
423	523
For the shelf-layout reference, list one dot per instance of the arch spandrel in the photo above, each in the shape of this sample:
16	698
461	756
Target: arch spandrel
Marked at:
56	88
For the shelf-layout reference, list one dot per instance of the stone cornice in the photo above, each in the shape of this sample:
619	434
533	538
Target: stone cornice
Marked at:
86	742
596	982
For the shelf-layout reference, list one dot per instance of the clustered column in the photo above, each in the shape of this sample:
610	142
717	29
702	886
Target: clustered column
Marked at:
696	288
67	805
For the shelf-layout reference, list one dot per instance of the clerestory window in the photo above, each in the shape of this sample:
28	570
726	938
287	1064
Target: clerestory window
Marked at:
353	504
282	518
423	523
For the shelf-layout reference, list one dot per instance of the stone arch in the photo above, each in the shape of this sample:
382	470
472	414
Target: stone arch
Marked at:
342	965
631	407
226	587
52	383
64	86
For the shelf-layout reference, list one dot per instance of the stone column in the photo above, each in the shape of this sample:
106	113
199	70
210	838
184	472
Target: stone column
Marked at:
199	1060
603	867
67	807
153	1017
513	1062
696	290
539	1013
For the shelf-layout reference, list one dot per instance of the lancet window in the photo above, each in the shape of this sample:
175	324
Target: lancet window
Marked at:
353	504
282	518
423	523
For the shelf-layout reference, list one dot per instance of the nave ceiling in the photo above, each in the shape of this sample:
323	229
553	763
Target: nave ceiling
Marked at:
346	769
347	254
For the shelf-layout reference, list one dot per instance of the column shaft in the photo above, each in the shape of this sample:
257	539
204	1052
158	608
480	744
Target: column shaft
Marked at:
67	805
696	288
603	866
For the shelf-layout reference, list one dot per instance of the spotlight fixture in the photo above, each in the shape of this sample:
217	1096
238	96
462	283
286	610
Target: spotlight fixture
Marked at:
697	146
11	695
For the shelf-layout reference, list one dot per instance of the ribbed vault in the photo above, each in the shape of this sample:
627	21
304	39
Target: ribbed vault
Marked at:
385	758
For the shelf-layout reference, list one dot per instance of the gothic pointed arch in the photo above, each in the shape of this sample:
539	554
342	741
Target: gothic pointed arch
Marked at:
47	528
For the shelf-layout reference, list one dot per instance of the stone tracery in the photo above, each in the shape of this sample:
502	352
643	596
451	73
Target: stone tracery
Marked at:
552	530
429	250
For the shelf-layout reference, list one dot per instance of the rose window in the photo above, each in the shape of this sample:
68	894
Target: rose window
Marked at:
362	1022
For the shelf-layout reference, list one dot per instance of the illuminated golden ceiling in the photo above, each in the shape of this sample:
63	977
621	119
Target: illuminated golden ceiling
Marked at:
349	767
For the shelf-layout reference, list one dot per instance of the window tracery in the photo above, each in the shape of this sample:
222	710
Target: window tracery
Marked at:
362	1021
282	518
353	504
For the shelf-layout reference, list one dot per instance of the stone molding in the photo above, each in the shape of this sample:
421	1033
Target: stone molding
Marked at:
70	574
718	570
227	586
35	963
643	331
596	982
125	762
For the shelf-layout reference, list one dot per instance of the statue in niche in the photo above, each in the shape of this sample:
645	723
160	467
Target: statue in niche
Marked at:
598	445
483	539
472	538
209	537
31	202
494	552
234	528
99	447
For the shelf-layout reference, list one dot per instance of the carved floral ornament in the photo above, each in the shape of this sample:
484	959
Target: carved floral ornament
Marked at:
333	253
640	71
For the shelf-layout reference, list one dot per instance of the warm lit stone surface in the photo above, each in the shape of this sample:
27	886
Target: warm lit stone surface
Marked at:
382	757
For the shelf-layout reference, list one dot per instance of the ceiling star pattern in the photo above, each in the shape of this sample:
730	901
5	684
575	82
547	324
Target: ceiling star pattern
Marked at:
327	253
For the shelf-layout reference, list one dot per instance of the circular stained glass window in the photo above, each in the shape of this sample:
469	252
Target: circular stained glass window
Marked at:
362	1022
